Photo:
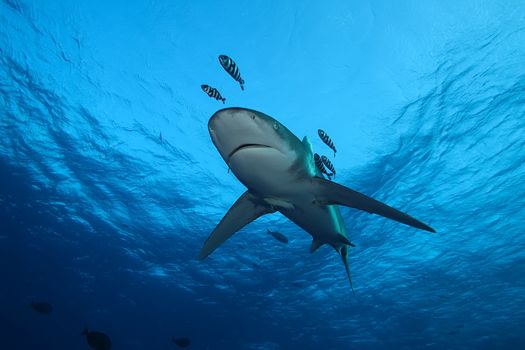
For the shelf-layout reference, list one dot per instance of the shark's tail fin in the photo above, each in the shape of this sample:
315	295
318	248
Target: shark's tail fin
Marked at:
344	255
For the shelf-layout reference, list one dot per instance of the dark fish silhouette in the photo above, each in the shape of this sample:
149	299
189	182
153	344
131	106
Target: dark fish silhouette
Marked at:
182	342
278	236
229	65
42	307
319	164
328	164
212	92
326	139
97	340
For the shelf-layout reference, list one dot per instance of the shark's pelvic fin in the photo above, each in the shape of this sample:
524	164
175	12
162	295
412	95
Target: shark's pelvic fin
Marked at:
344	255
327	192
342	239
246	209
316	244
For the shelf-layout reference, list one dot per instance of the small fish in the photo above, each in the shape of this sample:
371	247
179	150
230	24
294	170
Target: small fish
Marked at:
326	139
328	164
278	236
298	284
182	342
97	340
229	65
212	92
42	307
319	164
160	137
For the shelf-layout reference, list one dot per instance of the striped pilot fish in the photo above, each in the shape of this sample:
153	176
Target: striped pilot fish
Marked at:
328	164
326	139
320	166
229	65
212	92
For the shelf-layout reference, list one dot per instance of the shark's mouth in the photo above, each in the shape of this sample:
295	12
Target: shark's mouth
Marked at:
245	146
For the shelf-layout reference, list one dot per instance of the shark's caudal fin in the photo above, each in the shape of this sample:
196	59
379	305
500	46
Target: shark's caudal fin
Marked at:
327	192
246	209
344	256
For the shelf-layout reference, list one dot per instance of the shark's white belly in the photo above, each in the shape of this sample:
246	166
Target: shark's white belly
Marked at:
264	170
266	173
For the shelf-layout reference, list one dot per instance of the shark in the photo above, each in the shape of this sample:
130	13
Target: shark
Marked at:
279	173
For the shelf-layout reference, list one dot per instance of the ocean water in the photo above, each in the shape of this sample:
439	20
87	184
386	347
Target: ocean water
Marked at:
99	216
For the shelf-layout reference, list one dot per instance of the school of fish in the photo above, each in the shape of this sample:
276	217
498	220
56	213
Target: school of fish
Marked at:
232	69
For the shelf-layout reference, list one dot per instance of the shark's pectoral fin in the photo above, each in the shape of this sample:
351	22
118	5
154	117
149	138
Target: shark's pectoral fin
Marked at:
246	209
327	192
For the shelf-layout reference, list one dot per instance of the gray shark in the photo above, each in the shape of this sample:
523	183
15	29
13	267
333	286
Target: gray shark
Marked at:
279	173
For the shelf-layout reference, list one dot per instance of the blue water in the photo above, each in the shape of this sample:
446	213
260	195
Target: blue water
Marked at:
425	101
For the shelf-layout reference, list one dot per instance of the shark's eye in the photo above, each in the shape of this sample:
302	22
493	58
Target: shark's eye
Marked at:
253	116
275	125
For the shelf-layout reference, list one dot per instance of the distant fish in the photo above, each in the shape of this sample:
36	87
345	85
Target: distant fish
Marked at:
182	342
298	284
229	65
326	139
328	164
97	340
319	164
278	236
160	137
42	307
212	92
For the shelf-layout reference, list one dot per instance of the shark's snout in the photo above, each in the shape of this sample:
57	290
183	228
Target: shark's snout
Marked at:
232	129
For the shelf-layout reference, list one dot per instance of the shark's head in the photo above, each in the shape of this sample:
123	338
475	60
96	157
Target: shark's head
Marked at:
236	129
252	143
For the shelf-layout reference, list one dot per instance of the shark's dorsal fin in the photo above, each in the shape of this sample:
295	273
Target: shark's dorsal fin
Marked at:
327	193
246	209
307	144
316	243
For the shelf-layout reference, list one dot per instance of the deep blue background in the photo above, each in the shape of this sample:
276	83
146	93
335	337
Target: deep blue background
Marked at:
425	101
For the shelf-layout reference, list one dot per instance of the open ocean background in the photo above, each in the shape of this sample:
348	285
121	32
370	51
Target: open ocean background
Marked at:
425	101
